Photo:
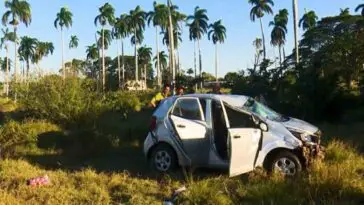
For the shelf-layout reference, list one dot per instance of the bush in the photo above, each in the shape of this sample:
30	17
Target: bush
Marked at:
16	137
64	102
123	102
73	101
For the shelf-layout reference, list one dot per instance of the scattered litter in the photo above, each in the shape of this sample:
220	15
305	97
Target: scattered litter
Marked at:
39	181
175	194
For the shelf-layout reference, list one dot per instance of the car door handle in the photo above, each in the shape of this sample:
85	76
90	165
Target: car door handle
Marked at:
237	137
181	126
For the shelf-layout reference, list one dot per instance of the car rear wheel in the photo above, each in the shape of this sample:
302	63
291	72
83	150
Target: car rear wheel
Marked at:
163	158
286	163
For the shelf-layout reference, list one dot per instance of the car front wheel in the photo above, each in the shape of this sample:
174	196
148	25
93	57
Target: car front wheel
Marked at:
163	158
286	163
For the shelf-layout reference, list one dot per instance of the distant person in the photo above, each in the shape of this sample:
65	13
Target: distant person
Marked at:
180	91
260	98
216	89
160	96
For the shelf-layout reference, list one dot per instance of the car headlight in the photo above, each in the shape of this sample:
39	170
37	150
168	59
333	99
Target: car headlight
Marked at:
306	137
302	136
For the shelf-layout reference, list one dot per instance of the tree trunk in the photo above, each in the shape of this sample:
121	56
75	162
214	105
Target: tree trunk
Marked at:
200	62
103	62
7	72
98	70
195	62
280	55
145	75
38	70
23	72
119	68
122	59
178	62
136	55
263	37
15	59
284	54
158	60
171	44
27	73
295	24
216	61
63	67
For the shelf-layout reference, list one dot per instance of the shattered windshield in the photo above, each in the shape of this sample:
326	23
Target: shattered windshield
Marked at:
263	111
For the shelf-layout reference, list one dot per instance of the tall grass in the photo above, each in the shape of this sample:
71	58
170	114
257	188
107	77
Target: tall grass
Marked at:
337	180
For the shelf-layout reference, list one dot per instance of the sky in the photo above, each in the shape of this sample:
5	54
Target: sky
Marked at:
237	53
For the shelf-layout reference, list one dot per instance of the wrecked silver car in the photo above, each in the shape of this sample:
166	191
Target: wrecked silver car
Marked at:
228	131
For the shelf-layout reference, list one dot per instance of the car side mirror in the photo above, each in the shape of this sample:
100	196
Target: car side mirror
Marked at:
263	126
255	120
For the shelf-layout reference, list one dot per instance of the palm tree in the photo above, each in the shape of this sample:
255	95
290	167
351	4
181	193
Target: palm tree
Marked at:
198	25
104	39
257	43
18	12
121	31
136	23
279	31
27	50
162	60
4	67
7	36
260	7
217	34
145	54
159	18
105	17
63	20
73	42
173	32
345	12
92	53
360	7
190	71
76	66
177	37
308	20
43	49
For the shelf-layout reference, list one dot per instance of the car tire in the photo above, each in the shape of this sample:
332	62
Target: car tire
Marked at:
163	159
284	162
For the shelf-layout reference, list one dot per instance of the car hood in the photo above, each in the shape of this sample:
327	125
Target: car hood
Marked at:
300	126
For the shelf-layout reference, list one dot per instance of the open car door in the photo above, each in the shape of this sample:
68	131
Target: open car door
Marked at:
244	145
244	138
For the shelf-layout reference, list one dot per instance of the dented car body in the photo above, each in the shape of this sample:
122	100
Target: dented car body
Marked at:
228	131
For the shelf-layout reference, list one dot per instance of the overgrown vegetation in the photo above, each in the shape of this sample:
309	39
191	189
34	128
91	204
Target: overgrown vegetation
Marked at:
86	134
72	102
338	180
82	161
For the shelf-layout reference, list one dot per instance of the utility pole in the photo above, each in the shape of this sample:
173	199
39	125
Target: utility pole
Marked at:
171	44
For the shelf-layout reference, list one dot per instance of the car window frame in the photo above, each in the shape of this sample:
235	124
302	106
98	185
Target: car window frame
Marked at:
224	104
202	114
248	115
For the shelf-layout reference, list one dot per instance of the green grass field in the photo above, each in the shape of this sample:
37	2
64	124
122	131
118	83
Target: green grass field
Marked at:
120	175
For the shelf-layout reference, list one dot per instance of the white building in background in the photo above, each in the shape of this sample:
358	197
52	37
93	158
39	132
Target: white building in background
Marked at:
135	85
